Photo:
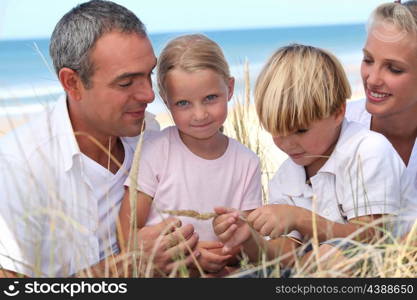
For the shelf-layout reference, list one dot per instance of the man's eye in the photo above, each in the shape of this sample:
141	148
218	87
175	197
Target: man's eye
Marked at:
125	84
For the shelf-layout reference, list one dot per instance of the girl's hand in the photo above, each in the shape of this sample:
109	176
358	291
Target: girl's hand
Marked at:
211	257
230	229
273	220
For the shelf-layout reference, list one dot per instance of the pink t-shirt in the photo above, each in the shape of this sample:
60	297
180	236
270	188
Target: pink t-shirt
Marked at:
176	178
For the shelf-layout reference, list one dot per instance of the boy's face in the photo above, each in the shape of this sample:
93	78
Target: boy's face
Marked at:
310	147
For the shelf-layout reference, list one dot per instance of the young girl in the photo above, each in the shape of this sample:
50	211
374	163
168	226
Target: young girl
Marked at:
339	174
193	165
389	73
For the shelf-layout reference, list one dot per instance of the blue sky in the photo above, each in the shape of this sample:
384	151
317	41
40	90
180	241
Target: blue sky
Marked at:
36	18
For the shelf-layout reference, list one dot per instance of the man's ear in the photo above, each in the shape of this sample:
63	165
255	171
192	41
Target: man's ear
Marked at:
231	86
71	83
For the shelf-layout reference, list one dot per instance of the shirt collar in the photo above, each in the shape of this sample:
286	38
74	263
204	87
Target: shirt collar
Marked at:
295	182
64	132
296	174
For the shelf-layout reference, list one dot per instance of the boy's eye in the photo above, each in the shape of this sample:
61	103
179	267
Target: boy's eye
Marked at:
181	103
301	131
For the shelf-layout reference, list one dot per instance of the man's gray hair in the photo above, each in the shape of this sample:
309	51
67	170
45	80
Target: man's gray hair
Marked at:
78	30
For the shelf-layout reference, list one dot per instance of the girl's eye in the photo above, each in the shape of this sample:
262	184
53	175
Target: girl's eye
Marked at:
211	97
181	103
125	84
301	131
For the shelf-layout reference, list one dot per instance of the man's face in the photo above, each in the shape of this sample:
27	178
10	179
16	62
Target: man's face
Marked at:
121	86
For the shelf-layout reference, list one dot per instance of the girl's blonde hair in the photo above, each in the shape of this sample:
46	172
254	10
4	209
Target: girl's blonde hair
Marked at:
403	16
297	86
190	53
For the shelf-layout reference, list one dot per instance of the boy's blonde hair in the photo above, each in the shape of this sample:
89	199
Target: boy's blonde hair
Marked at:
403	16
190	53
299	85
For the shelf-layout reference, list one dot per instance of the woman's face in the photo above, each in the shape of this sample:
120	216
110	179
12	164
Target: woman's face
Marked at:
389	70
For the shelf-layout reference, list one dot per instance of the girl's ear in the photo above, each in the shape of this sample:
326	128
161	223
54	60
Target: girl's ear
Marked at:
231	86
71	83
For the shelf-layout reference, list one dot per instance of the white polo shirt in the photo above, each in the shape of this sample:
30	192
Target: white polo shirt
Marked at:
58	207
356	111
361	177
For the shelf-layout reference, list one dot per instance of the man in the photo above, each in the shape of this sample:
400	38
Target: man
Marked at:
62	174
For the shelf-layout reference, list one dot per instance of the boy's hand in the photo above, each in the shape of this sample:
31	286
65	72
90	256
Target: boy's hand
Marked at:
273	220
211	258
230	229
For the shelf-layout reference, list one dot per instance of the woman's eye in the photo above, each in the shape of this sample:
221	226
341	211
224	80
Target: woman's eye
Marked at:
367	60
395	70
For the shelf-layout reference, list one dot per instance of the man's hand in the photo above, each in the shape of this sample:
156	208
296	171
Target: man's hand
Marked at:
167	242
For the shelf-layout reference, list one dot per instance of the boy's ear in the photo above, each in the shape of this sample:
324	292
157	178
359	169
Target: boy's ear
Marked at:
340	114
71	83
231	86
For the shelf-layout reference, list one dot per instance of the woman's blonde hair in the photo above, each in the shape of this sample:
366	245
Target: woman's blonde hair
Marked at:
297	86
402	15
190	53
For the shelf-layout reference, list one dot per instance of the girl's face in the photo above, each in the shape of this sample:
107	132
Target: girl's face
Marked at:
198	102
389	70
310	147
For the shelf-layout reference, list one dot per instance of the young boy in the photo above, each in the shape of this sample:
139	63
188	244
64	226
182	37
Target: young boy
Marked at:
339	176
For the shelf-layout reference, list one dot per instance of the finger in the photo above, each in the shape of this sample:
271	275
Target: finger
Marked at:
228	233
220	210
210	244
266	229
183	247
185	231
169	225
181	234
214	258
259	222
222	227
254	215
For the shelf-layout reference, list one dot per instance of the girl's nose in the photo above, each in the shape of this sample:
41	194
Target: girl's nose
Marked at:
200	113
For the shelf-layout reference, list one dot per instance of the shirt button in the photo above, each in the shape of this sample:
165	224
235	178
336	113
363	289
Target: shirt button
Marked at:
326	212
